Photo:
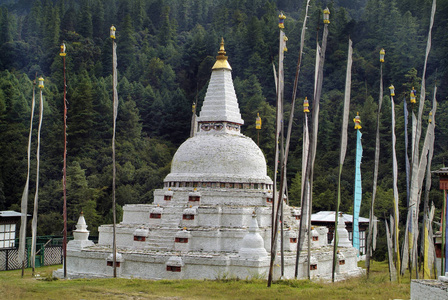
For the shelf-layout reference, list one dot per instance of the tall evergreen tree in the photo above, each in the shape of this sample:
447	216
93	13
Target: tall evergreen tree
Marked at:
98	21
167	29
52	27
69	20
80	120
138	11
85	25
126	44
5	26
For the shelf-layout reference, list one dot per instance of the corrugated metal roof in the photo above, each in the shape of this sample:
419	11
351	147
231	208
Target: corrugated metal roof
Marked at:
10	214
441	172
328	216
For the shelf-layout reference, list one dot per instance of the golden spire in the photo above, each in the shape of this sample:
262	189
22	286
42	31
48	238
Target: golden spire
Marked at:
221	59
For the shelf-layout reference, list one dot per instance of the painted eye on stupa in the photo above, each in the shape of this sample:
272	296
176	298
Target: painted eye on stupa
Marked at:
218	126
205	127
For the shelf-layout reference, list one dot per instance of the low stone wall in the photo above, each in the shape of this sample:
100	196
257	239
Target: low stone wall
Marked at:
429	290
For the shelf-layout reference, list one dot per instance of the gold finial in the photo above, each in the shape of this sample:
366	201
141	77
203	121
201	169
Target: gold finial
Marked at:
357	121
222	51
221	59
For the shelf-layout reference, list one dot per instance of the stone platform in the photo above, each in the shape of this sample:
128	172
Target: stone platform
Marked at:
429	289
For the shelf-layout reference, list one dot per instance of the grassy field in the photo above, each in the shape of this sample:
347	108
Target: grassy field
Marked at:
43	286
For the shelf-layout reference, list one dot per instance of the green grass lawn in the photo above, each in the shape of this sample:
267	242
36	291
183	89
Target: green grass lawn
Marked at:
12	286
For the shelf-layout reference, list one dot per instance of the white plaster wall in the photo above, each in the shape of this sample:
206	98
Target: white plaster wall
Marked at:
124	235
136	213
236	216
264	216
88	263
231	239
205	240
209	216
287	245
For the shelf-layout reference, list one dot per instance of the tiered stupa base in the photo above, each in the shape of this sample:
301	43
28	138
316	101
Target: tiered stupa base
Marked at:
92	263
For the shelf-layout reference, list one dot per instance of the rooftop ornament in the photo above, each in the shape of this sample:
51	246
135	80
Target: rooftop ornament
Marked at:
221	59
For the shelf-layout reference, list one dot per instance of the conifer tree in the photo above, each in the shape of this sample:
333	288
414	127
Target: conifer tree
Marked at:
126	44
85	26
138	11
167	29
98	21
69	20
80	120
5	26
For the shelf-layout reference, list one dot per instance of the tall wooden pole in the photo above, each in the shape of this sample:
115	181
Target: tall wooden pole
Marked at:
444	214
115	104
64	169
395	188
375	172
279	118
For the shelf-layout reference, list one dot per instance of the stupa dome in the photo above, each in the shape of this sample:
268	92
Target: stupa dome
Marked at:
218	152
219	158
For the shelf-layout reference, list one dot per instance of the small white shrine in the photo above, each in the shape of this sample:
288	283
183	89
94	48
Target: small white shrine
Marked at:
212	219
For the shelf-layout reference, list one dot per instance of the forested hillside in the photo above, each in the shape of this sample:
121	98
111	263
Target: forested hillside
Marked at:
166	49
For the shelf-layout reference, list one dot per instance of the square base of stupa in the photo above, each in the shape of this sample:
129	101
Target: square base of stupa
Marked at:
93	262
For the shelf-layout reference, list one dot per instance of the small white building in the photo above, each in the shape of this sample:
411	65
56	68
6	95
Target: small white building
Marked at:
212	218
326	218
8	228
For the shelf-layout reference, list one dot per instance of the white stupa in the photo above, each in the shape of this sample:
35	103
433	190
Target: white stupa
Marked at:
213	216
